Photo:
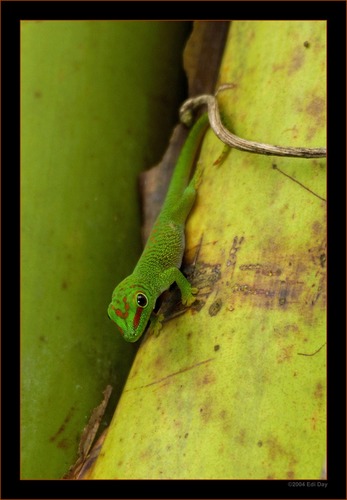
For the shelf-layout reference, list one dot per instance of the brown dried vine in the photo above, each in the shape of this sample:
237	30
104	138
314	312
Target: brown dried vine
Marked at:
232	140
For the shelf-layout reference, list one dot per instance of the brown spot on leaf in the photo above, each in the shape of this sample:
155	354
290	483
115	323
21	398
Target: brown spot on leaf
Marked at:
63	444
317	228
241	437
159	363
277	67
318	255
63	425
208	378
277	451
285	354
313	422
223	414
316	107
296	62
205	412
319	391
322	259
215	307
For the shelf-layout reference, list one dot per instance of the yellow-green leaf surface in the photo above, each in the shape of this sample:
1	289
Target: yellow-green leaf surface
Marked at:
235	387
95	111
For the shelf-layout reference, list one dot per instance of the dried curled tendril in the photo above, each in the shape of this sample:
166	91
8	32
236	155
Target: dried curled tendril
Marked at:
232	140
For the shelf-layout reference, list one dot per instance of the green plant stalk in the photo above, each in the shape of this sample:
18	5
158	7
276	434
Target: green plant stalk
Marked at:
235	389
95	111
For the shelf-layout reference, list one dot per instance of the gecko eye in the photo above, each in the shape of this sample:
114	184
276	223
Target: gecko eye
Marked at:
141	300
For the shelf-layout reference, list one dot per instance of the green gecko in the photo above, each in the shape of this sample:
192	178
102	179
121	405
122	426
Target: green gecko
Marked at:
133	300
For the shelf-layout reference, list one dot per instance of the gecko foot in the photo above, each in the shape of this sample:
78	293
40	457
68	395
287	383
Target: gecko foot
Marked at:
156	323
189	299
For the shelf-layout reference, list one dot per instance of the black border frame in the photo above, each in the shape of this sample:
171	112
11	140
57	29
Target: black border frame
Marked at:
12	13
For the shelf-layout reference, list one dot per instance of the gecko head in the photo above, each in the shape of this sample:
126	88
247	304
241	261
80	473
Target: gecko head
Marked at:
130	308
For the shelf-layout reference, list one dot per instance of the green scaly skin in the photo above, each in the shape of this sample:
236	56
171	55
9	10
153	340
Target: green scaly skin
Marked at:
133	300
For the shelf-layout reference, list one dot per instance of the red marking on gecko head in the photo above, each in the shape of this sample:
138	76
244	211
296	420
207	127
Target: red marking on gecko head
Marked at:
137	316
120	313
